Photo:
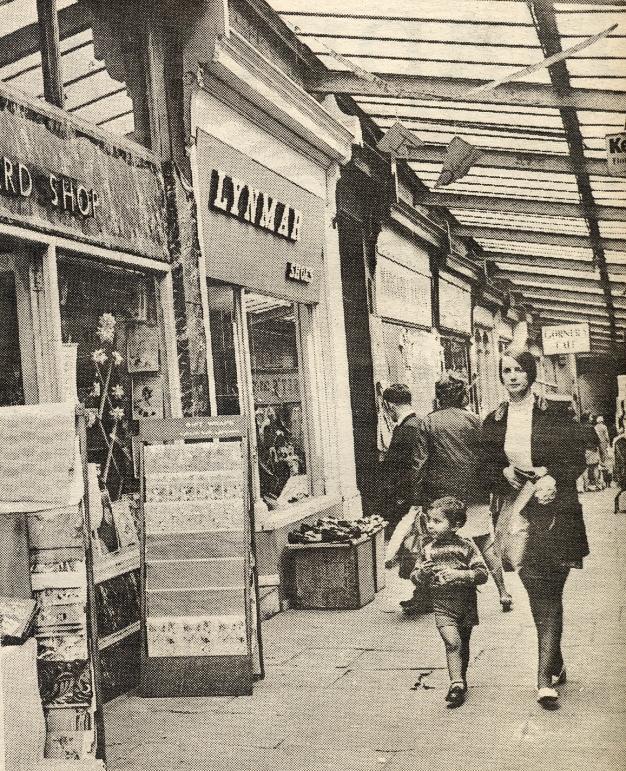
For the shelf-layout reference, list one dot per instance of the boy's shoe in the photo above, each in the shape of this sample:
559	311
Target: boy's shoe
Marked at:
548	698
456	695
561	678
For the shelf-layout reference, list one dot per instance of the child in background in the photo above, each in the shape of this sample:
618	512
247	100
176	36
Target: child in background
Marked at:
453	568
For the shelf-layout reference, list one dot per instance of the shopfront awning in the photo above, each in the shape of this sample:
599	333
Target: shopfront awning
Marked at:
539	201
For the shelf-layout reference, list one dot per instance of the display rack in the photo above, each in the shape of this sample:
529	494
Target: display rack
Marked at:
199	626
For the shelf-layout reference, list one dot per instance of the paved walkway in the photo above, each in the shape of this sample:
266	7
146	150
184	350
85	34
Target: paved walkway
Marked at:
363	690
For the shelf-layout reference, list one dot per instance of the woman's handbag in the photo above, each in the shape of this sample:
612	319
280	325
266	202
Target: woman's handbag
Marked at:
511	532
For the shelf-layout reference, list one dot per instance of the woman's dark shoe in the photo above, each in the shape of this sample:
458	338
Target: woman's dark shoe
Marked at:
548	698
561	678
506	603
456	695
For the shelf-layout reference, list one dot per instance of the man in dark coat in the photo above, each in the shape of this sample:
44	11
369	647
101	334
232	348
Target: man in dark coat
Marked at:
401	468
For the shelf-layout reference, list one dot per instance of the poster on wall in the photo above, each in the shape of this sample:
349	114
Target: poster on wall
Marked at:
142	348
402	294
147	396
455	305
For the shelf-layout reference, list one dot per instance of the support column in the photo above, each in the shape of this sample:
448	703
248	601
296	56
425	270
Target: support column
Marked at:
340	427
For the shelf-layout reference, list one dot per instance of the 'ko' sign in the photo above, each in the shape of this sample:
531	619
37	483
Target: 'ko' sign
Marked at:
616	154
566	338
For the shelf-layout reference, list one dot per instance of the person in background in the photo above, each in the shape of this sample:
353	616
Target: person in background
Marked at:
604	446
400	468
448	459
527	439
452	568
619	464
592	479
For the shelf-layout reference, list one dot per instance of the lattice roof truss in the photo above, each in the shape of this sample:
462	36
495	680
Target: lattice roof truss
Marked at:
539	200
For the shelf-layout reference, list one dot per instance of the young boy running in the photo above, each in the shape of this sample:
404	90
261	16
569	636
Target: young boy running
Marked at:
453	568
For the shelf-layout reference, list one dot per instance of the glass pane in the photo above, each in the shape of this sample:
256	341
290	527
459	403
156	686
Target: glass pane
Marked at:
11	387
109	330
221	314
278	406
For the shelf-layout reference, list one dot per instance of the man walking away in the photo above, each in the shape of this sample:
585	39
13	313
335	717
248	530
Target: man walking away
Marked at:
401	467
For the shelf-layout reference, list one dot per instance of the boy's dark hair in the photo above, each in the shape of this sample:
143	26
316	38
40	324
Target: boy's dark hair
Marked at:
452	508
398	393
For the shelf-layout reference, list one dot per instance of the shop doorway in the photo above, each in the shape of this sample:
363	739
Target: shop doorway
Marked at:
259	371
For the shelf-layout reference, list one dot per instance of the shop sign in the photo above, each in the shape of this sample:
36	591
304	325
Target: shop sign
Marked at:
276	388
566	338
616	154
402	294
240	199
70	184
297	272
68	195
455	305
260	230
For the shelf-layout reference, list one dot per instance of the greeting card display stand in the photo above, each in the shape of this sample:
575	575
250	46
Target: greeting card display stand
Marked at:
199	619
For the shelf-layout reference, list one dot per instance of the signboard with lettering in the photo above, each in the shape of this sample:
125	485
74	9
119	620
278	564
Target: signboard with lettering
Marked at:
566	338
455	305
70	184
616	154
402	294
259	230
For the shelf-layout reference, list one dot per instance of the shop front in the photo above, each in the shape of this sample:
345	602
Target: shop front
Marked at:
277	350
87	320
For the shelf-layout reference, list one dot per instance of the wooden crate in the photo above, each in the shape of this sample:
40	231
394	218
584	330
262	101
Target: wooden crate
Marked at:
332	575
378	548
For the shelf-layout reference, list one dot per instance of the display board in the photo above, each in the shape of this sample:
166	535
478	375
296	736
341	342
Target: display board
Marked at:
199	625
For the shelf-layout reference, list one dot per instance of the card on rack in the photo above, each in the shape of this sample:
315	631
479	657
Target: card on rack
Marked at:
197	636
65	683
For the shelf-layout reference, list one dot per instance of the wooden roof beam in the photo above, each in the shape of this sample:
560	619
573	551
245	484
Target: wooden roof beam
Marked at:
429	87
512	205
535	261
514	160
533	237
569	298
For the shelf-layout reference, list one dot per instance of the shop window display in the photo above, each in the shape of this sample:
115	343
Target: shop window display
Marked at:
278	406
111	347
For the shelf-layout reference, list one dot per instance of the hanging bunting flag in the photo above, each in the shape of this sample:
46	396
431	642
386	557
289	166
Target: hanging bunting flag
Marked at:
461	156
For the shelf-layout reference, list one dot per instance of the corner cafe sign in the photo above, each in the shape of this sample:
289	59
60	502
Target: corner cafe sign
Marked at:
566	338
241	200
21	181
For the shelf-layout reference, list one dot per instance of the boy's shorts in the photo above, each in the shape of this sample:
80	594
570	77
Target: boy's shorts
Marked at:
458	609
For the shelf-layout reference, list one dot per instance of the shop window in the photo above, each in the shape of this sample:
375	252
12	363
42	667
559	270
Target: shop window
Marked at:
278	405
456	359
221	321
112	358
11	385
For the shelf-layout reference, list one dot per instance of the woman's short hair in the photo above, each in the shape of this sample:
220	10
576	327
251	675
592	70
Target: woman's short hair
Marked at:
398	393
526	361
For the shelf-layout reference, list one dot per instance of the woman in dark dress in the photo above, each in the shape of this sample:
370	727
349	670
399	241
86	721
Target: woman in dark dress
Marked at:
530	438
